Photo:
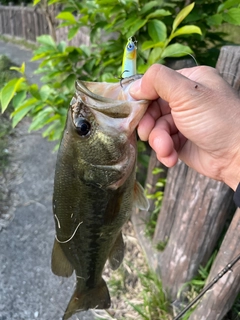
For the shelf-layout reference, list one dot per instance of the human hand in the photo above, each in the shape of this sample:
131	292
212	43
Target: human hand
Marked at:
194	116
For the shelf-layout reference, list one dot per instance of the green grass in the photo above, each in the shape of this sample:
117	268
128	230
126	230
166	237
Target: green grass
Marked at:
155	304
157	197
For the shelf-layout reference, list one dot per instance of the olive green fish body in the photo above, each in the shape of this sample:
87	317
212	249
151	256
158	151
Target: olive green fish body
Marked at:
95	189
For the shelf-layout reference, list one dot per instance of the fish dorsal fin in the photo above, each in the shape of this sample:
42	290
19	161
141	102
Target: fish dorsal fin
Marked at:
140	199
60	264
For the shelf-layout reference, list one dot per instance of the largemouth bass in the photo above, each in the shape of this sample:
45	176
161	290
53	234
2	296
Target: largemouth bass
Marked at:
95	188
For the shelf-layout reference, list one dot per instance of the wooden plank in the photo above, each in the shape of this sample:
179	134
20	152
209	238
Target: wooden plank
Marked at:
200	215
23	21
1	19
11	20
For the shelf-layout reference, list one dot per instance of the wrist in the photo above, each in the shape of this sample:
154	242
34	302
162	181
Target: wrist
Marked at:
231	175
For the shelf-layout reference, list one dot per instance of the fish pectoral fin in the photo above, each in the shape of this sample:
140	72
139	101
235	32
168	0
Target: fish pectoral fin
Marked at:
95	298
60	264
140	199
117	253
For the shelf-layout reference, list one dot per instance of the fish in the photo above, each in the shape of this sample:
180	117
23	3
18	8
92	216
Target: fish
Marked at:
95	188
129	59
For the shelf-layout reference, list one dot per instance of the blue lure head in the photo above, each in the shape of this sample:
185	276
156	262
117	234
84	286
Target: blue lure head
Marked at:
131	45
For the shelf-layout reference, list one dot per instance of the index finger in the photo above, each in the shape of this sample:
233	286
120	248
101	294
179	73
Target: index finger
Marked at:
160	81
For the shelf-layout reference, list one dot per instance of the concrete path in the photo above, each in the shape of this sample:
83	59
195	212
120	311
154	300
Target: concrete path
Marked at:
28	289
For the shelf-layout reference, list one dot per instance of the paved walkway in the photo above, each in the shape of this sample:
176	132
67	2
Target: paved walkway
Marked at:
28	289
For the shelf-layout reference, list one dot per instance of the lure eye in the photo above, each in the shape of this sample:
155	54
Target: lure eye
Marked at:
130	46
82	126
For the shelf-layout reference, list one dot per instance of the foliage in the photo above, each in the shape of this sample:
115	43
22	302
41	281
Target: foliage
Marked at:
101	60
191	289
209	15
157	196
157	25
155	304
5	124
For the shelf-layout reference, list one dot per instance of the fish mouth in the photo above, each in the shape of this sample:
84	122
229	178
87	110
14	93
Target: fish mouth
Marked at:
112	104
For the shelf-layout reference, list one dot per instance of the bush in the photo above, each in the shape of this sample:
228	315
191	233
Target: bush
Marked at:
158	27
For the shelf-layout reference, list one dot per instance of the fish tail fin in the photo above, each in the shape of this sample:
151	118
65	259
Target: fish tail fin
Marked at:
96	298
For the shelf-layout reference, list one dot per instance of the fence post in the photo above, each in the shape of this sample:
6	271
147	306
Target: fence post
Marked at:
23	20
1	18
10	4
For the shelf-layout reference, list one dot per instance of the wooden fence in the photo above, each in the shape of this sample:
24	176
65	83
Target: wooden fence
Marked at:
22	22
30	22
194	211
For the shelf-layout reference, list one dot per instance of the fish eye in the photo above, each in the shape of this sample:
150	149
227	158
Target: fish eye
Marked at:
82	126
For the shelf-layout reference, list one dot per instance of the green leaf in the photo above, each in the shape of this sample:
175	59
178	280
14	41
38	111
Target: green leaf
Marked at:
182	15
151	44
39	56
69	81
148	6
232	16
20	112
36	2
155	55
47	40
19	98
45	92
52	1
68	16
20	70
186	30
227	4
159	13
107	2
129	22
157	30
9	90
61	46
50	129
139	23
176	50
34	90
41	119
72	32
214	20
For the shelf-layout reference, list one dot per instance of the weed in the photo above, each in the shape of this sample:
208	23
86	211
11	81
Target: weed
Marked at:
157	196
5	127
5	123
161	245
155	304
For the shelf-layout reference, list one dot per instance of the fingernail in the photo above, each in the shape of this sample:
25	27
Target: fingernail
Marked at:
135	88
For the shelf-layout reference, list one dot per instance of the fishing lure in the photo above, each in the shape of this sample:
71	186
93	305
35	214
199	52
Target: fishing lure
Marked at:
129	59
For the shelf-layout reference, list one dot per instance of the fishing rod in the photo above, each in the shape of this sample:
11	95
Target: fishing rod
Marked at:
215	280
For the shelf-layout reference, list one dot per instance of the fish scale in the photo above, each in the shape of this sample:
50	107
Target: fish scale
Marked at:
95	188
